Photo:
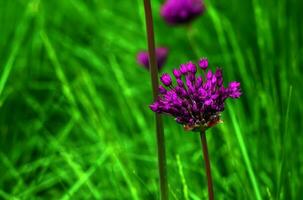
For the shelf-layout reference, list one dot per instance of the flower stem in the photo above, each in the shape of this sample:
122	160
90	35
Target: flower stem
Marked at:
155	85
207	165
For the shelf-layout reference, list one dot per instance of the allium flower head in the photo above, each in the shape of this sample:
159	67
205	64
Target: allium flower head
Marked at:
194	101
161	55
181	11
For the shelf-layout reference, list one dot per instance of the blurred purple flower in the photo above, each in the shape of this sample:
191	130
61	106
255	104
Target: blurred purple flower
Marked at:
196	101
181	11
161	55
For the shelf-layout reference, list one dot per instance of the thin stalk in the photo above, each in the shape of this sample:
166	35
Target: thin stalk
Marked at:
155	85
207	165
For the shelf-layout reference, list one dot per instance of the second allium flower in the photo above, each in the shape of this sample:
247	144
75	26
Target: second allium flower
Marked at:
181	11
194	101
161	56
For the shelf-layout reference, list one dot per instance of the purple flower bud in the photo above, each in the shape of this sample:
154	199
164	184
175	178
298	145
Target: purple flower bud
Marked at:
199	82
180	82
191	67
208	102
191	122
202	92
218	73
219	77
166	107
203	63
181	11
207	85
177	73
166	79
161	56
195	108
234	84
155	107
213	80
190	86
191	77
209	75
162	90
183	68
185	103
220	81
180	91
170	95
234	90
214	96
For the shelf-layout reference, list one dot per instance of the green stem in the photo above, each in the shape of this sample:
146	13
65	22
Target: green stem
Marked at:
155	85
207	165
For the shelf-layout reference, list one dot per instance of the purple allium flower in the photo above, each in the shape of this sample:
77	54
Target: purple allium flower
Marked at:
161	55
181	11
195	101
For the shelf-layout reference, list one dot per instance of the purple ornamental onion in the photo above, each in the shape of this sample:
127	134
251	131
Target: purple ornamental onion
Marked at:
161	55
195	101
181	11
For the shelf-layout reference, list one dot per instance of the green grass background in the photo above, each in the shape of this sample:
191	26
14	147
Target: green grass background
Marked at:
74	117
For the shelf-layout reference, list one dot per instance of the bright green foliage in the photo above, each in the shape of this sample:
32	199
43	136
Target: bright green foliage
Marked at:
74	116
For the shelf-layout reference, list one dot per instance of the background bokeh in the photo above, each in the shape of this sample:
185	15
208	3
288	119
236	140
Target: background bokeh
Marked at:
74	116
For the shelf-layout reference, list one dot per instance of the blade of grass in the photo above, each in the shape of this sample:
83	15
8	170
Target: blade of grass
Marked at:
244	152
283	165
76	167
10	168
66	89
16	43
83	179
181	173
6	196
132	188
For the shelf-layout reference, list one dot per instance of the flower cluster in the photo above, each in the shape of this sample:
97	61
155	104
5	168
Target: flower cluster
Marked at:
194	101
181	11
161	55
